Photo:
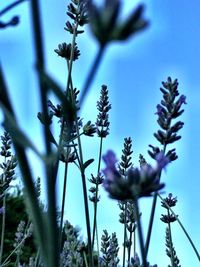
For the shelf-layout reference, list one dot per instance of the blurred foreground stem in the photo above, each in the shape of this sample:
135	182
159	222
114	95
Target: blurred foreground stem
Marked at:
140	234
52	259
92	72
9	7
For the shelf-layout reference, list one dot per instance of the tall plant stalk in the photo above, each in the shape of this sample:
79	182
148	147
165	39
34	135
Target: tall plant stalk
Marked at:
96	193
3	228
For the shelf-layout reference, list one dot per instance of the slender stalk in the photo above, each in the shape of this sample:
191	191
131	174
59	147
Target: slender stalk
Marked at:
82	170
134	242
130	242
96	196
153	209
16	248
6	260
97	245
85	259
63	201
125	236
3	228
140	234
87	216
170	240
52	237
9	7
92	73
183	228
37	258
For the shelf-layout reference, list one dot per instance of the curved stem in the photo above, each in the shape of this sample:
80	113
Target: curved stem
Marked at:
92	73
85	196
140	234
183	228
9	7
3	228
96	192
153	209
63	202
170	240
125	237
130	244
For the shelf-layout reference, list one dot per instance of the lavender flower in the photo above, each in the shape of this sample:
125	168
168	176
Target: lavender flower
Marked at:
135	262
103	106
109	250
64	50
168	110
105	25
138	183
170	200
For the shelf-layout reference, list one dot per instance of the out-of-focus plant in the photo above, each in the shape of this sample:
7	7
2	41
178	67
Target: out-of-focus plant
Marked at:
57	242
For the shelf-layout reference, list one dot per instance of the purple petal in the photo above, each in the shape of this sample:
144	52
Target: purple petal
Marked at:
110	159
159	111
162	160
182	99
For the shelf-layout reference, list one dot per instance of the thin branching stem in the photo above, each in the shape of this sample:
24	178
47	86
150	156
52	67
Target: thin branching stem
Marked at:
3	227
170	242
96	193
130	244
53	241
125	234
182	227
85	196
140	234
63	201
11	6
92	72
153	209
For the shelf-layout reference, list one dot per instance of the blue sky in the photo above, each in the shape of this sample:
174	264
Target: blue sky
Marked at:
133	72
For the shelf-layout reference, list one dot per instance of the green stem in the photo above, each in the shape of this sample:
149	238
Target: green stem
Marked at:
3	227
125	236
50	169
153	209
170	240
134	247
9	7
130	244
183	228
87	216
85	259
63	202
96	192
92	73
140	234
85	196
